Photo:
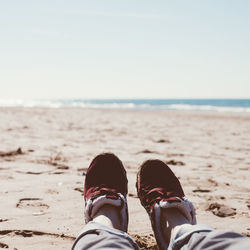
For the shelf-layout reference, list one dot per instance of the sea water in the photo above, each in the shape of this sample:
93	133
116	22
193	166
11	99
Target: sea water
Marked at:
219	105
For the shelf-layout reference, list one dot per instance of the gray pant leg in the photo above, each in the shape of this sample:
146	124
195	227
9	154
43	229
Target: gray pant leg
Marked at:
199	237
217	240
97	236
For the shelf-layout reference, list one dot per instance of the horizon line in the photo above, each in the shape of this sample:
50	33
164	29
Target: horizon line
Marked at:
127	98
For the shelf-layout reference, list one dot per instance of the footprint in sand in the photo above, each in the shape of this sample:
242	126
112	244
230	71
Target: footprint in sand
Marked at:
51	238
31	233
221	210
33	204
213	182
3	220
3	245
12	153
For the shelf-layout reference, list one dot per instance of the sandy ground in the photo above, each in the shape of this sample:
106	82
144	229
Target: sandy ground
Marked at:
42	182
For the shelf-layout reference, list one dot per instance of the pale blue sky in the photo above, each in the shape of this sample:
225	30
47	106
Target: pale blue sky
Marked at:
124	49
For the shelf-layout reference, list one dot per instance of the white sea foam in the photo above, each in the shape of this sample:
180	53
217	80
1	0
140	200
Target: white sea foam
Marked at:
116	105
208	108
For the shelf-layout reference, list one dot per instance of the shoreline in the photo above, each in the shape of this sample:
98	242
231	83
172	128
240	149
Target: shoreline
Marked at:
128	110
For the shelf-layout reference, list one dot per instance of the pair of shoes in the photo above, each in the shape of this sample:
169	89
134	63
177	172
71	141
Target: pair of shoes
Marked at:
157	188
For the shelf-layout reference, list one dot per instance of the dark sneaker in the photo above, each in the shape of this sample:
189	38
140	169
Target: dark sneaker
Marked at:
158	188
106	183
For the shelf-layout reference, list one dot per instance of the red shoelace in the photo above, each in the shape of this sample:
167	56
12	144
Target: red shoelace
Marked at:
102	190
155	195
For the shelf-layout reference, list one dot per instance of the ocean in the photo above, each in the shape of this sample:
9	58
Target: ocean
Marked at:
218	105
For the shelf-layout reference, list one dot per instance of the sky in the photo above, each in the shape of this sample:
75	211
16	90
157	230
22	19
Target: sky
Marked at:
124	49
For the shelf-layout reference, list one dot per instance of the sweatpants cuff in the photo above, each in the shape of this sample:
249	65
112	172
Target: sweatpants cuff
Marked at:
92	227
184	233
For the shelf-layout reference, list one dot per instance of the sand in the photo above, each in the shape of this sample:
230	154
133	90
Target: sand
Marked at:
45	153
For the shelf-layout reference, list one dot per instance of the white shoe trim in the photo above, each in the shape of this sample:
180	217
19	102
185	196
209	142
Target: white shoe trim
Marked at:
92	207
184	206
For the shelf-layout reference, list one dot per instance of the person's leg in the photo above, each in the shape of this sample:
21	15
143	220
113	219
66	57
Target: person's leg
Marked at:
216	239
98	236
172	219
106	213
173	216
161	194
109	216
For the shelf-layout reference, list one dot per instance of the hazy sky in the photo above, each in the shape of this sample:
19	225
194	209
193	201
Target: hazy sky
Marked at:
119	49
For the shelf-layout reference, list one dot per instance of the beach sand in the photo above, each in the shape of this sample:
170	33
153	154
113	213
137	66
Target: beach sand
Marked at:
45	153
